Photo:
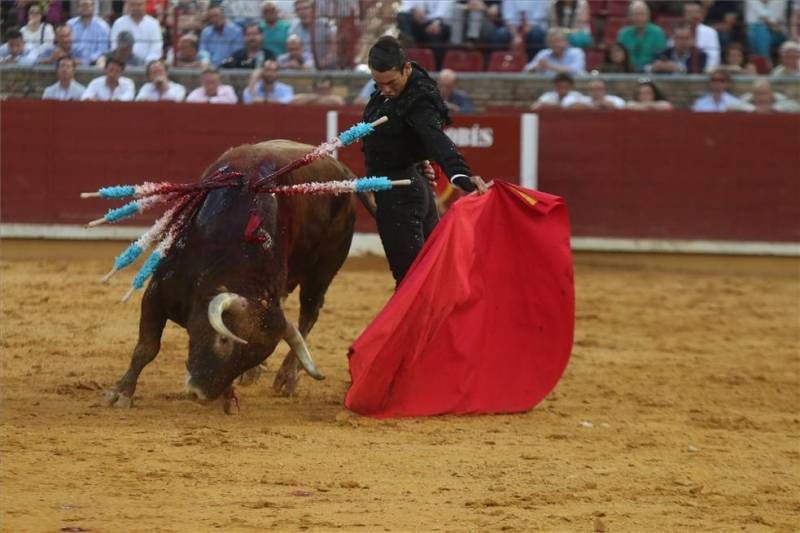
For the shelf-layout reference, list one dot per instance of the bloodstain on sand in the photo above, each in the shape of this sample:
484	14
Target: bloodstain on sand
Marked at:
679	411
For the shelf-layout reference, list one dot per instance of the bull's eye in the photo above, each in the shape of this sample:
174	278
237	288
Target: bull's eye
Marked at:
223	346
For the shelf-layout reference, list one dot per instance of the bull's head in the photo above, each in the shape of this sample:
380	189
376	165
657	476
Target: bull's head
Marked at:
234	335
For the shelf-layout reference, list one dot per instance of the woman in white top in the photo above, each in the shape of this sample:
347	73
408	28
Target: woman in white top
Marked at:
36	32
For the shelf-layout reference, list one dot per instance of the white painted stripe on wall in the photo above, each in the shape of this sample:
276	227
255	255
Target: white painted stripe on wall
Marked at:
529	150
332	128
370	243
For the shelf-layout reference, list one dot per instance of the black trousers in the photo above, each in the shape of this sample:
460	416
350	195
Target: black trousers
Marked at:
406	217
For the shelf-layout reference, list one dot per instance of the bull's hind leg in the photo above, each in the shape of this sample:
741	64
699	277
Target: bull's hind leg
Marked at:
151	326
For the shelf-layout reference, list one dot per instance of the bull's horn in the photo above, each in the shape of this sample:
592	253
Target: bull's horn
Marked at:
295	340
218	305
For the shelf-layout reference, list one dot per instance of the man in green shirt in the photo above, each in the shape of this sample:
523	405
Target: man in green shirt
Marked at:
274	28
643	39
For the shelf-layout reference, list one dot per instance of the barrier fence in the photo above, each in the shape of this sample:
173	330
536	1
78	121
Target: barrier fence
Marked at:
632	180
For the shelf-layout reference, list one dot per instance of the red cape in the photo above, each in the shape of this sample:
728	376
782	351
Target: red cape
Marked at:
483	321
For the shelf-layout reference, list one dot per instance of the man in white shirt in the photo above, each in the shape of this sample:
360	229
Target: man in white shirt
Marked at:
562	94
17	51
112	86
145	29
66	88
600	99
159	87
706	38
558	57
718	99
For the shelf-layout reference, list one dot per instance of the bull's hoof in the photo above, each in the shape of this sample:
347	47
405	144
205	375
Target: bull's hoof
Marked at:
118	399
251	376
285	383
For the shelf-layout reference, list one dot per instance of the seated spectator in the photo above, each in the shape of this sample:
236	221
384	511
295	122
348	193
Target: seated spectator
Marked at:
681	58
16	50
66	88
242	12
221	38
562	96
766	25
725	16
189	55
322	94
423	22
522	26
62	47
159	87
648	97
599	98
212	91
295	57
123	52
762	99
456	101
379	21
324	41
36	32
146	31
265	87
90	34
112	86
616	60
790	60
735	61
575	17
274	28
559	57
705	37
253	54
471	23
186	17
718	99
643	39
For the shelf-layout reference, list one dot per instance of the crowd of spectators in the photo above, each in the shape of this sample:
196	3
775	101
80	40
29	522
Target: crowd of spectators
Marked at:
562	38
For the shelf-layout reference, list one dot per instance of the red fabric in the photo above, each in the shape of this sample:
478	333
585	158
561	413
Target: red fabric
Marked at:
484	319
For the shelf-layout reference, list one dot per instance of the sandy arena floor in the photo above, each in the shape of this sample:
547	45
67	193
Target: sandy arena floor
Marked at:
680	411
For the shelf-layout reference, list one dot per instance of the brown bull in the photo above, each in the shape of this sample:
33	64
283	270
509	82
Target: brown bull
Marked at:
227	291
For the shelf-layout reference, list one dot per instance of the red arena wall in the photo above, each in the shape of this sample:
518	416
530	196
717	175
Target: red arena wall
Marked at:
625	174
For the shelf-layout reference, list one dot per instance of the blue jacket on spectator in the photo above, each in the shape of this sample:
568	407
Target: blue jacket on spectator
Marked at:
221	45
89	42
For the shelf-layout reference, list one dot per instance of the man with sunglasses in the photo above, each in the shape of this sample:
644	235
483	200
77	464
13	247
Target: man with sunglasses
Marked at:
407	95
718	99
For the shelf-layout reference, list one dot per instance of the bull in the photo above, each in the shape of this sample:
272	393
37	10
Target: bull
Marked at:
227	291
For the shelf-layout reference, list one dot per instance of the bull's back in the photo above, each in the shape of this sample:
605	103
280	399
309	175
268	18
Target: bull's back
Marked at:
318	226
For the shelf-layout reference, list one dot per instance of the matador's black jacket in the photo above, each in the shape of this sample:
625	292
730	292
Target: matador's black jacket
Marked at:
414	131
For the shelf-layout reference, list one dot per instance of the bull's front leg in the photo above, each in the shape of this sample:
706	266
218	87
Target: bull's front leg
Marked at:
151	326
288	375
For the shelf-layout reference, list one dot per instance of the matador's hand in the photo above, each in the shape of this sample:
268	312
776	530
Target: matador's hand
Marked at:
427	170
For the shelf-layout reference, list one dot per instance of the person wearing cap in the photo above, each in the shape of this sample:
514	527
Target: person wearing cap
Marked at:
410	99
124	52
